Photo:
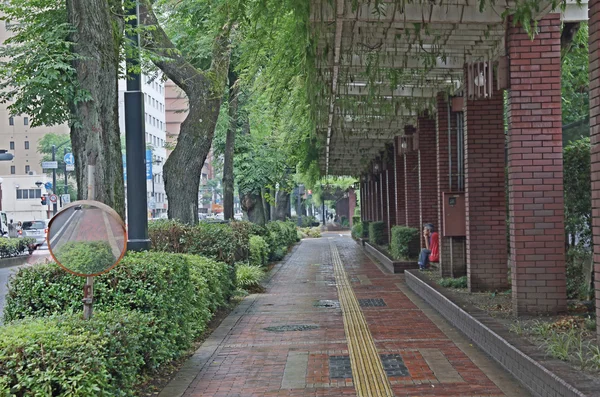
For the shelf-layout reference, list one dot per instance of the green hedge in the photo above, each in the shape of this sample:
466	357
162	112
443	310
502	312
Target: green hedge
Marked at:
10	247
355	220
67	356
376	230
281	235
404	243
259	251
357	230
86	257
365	229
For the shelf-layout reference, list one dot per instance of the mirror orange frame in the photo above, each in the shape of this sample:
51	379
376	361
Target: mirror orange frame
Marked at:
109	211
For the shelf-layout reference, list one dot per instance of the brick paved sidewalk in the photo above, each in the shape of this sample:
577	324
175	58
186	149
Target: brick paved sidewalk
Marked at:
292	341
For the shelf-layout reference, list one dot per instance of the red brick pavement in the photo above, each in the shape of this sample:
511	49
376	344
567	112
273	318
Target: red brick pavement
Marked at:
251	360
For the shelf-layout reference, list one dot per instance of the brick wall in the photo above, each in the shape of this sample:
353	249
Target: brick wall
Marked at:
411	183
363	207
383	202
399	177
535	170
485	193
594	48
391	202
427	171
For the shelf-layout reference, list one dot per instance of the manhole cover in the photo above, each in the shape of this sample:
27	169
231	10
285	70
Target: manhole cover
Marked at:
339	367
371	303
327	303
394	365
288	328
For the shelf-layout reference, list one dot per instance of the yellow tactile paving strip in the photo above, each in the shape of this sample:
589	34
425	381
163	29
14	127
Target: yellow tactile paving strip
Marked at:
368	374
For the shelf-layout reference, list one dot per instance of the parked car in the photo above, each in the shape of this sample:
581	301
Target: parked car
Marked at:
35	229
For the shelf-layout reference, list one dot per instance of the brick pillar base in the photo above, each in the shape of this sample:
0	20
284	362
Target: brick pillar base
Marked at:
452	249
487	258
399	178
594	48
535	173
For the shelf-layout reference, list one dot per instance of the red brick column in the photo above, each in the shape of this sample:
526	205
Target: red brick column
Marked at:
411	184
383	200
485	202
351	206
452	249
594	48
399	179
535	173
371	198
362	199
427	170
391	184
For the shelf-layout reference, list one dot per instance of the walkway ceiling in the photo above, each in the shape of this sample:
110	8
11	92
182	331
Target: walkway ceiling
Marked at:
380	63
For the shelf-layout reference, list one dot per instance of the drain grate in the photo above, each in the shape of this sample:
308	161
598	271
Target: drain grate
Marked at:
328	303
371	303
339	367
393	365
289	328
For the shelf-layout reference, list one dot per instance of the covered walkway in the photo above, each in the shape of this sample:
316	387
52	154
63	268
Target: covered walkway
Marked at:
332	323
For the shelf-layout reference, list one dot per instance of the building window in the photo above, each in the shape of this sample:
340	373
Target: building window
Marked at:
25	120
28	194
12	145
13	169
11	121
27	169
27	145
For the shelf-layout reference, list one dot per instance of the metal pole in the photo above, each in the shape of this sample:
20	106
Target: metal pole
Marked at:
153	199
88	288
299	208
66	190
137	201
54	209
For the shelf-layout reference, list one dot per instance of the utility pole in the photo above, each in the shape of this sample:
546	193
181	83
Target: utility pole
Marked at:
66	190
137	201
54	209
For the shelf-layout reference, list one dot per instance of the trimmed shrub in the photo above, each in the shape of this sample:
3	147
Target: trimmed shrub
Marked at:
67	356
357	230
311	232
460	282
365	229
259	251
281	236
355	220
86	257
404	243
376	230
10	247
248	276
344	221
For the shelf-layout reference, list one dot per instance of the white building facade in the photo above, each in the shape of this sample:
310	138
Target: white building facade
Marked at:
22	197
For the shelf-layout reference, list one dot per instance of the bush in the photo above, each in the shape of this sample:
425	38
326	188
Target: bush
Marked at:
10	247
65	355
365	229
281	236
86	257
460	282
404	243
355	220
344	221
248	276
309	221
578	259
259	251
311	232
357	230
376	230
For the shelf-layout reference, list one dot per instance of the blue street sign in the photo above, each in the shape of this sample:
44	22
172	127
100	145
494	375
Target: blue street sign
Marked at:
69	159
48	185
149	164
124	168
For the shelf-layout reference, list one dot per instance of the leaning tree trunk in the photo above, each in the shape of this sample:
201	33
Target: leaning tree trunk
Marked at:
95	136
204	90
283	205
228	178
253	206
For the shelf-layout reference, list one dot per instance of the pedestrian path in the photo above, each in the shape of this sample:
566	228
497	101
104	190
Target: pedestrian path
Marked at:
333	323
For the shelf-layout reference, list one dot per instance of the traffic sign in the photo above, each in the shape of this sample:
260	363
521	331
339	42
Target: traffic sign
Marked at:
48	185
66	199
70	167
69	159
50	165
53	198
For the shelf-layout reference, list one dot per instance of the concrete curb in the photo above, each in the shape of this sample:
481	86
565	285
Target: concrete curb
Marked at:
533	375
391	265
14	261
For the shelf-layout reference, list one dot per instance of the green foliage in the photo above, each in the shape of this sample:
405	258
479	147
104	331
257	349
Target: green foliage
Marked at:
404	243
309	221
86	257
376	230
575	78
281	235
310	232
460	282
355	219
248	276
578	193
357	230
577	287
14	246
259	251
67	356
365	229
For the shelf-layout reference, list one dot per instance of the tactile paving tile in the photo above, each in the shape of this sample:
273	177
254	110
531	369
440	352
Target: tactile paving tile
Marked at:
339	367
394	365
371	303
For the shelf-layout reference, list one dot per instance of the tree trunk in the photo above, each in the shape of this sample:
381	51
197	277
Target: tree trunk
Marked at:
228	178
283	205
183	169
253	206
272	206
95	138
266	205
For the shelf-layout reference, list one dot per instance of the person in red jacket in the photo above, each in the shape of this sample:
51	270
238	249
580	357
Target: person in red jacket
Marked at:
431	252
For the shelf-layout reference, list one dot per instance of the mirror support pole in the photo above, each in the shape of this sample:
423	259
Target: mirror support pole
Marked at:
88	288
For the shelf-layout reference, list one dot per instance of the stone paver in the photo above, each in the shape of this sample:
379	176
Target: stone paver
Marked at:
282	344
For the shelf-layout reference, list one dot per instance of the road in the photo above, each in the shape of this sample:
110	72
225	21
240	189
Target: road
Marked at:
38	256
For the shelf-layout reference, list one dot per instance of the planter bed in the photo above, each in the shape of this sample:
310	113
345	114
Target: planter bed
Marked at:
390	264
542	375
